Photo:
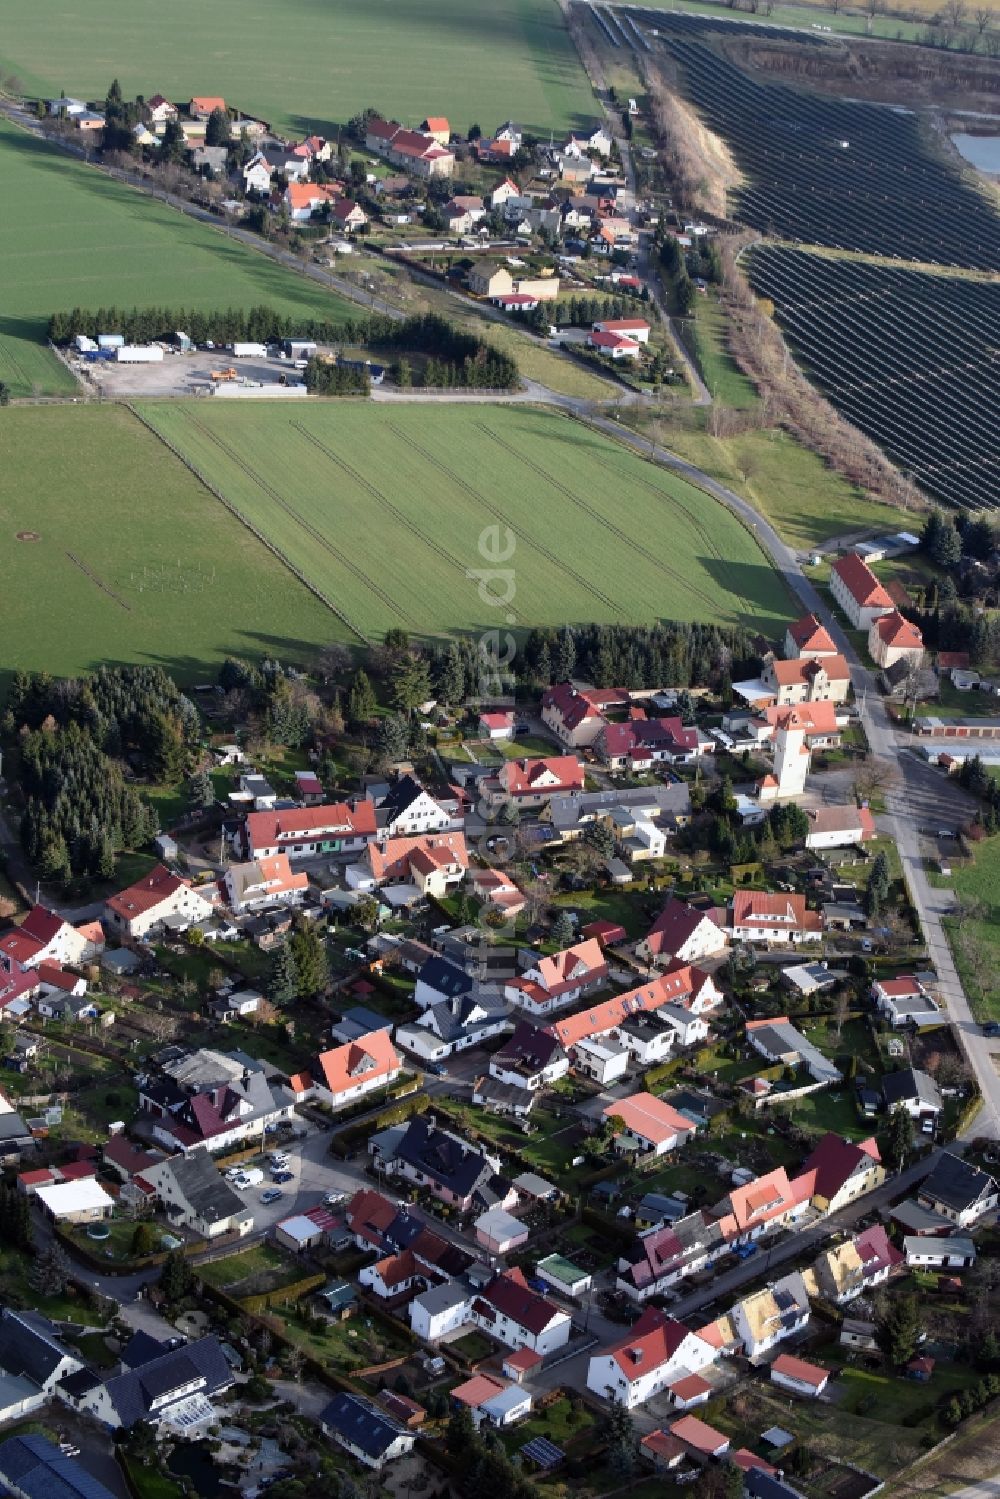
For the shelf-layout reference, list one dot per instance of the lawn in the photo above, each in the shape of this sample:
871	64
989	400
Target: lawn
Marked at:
507	516
975	934
252	1272
186	588
305	66
346	1346
706	331
71	237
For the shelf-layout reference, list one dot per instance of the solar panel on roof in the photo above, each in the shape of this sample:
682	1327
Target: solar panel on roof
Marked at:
543	1452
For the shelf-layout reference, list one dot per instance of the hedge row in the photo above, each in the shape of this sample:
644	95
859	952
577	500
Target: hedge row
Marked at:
294	1292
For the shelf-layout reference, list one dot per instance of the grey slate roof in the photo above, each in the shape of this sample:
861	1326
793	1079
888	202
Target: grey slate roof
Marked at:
443	1157
205	1188
362	1424
133	1393
443	976
32	1465
30	1345
910	1083
957	1183
451	1018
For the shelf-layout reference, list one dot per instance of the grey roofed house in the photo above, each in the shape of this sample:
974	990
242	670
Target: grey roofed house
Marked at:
401	795
213	157
207	1068
447	1161
919	1220
140	1349
445	979
444	1297
468	948
781	1042
34	1467
359	1424
910	1085
455	1019
958	1186
120	960
14	1133
662	803
356	1022
809	978
30	1346
528	1184
204	1188
150	1391
530	1048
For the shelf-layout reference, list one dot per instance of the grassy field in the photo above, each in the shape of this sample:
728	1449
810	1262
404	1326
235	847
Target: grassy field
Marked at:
303	66
975	935
70	237
596	532
707	333
185	588
806	501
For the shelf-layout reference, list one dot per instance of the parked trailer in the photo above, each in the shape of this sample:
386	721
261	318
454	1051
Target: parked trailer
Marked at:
110	340
249	351
139	354
84	345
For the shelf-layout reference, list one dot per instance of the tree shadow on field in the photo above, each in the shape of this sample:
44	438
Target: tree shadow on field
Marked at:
756	591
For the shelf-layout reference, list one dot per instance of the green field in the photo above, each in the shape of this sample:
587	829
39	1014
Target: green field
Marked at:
975	933
306	64
171	576
385	511
71	237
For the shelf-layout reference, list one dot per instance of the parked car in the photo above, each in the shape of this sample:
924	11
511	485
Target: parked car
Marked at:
334	1199
282	1176
271	1194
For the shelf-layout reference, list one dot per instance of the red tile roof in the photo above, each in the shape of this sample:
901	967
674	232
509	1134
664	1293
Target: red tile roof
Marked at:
858	578
690	1387
42	924
393	858
650	1117
653	1341
370	1056
833	1161
332	820
676	923
511	1295
897	631
553	776
799	1369
597	1019
810	635
699	1435
146	894
801	670
611	341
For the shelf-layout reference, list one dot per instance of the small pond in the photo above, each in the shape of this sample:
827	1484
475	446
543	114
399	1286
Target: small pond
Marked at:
983	151
189	1460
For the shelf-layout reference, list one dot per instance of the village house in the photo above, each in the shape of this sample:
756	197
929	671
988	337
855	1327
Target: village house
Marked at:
408	809
839	827
643	742
34	1361
348	216
303	199
755	916
365	1431
683	934
219	1102
666	1253
533	783
171	1389
463	213
807	679
441	1310
454	1025
914	1091
432	863
263	882
845	1270
531	1058
338	1077
649	1125
519	1317
576	715
959	1190
614	346
858	592
807	637
454	1171
310	832
817	719
799	1377
904	1001
497	890
44	937
257	175
892	638
778	1041
766	1318
157	898
555	982
195	1195
764	1205
656	1353
686	988
491	1401
838	1172
201	107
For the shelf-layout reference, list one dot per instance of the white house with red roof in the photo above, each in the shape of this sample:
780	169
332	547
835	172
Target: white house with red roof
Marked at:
656	1353
756	916
807	679
799	1377
839	1171
767	1203
857	591
684	987
818	719
613	345
434	864
345	1073
905	1001
555	982
893	638
682	933
310	832
533	783
510	1311
203	105
263	882
496	725
573	715
45	937
257	174
807	637
496	889
348	215
157	897
418	152
644	742
649	1125
158	111
840	827
635	328
303	199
